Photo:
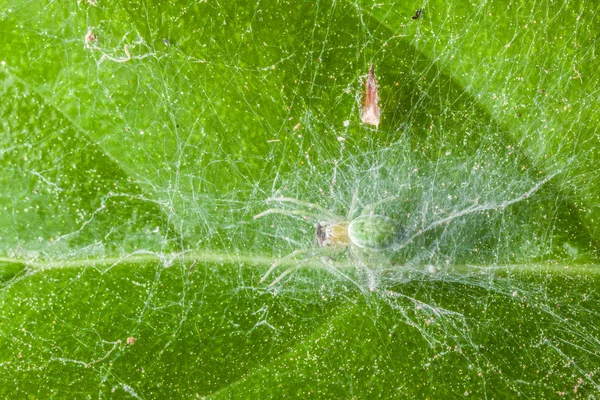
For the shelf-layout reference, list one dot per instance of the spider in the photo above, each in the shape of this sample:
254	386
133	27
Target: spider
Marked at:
334	234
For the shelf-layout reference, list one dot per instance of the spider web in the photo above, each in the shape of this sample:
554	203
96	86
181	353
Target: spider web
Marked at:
140	140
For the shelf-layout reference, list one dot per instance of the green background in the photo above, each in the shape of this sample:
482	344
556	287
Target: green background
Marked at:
129	186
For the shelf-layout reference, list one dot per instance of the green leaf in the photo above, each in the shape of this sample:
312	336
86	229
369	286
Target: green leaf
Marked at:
159	158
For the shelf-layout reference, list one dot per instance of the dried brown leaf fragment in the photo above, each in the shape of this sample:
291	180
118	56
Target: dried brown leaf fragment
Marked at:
370	113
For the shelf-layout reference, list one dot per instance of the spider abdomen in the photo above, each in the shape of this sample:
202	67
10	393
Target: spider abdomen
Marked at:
375	232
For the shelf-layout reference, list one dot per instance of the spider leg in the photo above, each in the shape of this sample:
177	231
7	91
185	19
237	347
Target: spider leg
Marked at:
329	263
311	252
287	212
353	205
322	211
277	263
370	208
368	271
286	272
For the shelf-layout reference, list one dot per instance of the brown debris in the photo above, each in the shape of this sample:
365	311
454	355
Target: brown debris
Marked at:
370	109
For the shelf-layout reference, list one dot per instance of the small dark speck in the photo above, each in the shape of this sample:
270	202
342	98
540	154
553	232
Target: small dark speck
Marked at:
417	14
166	42
542	91
518	115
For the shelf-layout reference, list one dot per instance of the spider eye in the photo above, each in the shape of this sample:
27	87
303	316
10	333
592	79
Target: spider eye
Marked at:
321	234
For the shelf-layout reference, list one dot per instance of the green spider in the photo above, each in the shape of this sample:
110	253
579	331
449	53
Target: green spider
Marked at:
334	234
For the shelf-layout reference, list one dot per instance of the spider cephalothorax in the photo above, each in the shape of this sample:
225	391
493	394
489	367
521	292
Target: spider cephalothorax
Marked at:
334	235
